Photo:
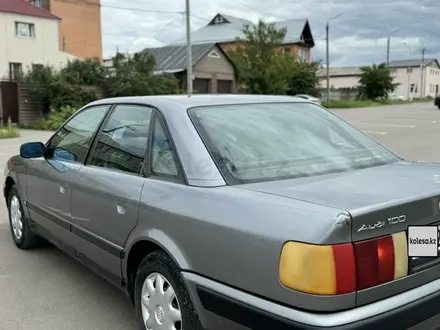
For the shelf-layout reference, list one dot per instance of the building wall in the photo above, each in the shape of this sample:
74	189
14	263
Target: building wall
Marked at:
43	48
432	81
215	69
80	28
409	83
295	49
340	82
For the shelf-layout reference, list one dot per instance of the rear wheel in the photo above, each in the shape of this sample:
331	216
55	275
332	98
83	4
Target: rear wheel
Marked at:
22	235
161	299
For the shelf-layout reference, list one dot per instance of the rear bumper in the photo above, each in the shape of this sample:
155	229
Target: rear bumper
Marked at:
250	317
219	310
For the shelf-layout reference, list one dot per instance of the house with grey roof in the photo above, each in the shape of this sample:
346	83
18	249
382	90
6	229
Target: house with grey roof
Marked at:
213	71
414	78
224	29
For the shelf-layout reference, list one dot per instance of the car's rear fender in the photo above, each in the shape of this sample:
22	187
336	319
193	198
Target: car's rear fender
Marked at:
235	236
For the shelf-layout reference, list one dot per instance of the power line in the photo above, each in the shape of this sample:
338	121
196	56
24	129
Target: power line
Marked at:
96	5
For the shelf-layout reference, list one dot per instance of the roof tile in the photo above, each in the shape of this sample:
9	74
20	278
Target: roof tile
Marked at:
173	58
22	7
228	32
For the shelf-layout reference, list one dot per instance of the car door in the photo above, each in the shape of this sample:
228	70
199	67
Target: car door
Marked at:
106	192
49	179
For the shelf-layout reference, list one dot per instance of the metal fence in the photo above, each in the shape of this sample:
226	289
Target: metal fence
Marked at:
346	94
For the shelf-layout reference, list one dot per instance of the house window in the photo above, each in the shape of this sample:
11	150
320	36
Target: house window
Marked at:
287	50
37	3
413	88
214	54
409	70
25	30
303	54
15	71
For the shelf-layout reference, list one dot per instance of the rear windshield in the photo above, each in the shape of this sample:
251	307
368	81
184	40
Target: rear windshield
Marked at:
274	141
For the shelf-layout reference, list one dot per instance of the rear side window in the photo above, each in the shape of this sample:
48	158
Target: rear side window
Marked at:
73	139
122	143
163	158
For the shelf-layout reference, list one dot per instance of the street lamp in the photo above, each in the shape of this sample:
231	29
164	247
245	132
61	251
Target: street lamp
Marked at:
409	68
388	45
328	53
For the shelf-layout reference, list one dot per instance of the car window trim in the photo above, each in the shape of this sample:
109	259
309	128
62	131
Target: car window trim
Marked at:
109	105
105	121
146	170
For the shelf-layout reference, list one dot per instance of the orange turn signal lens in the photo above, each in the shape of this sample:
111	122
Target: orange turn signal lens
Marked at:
318	269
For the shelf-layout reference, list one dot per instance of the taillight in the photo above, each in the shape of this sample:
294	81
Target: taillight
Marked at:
381	260
343	268
318	269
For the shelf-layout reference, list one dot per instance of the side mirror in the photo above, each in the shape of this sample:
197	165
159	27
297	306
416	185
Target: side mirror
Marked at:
32	150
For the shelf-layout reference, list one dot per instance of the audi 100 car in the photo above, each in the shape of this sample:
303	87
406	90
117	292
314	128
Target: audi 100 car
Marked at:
233	212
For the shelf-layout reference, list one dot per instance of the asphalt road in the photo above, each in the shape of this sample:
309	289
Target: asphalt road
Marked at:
45	289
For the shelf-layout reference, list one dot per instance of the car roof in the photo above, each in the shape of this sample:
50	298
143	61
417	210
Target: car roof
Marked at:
184	101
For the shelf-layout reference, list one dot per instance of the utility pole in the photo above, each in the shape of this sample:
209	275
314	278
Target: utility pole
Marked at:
389	44
422	67
388	50
327	61
189	80
327	40
409	69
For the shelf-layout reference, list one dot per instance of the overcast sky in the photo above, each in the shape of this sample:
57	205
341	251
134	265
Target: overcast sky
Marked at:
358	37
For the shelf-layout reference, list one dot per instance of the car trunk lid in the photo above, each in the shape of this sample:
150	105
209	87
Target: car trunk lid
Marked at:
382	200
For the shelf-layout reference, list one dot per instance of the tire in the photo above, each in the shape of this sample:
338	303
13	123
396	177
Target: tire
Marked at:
160	263
27	239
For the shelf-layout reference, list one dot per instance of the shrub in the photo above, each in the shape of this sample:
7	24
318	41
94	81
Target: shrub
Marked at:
8	131
55	118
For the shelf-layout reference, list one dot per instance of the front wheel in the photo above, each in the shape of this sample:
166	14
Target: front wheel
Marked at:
161	299
22	235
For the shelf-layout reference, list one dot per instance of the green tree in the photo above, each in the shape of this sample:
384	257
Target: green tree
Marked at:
88	72
135	76
261	68
376	82
54	89
304	78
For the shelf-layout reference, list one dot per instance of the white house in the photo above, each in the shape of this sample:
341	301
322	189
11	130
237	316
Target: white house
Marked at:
412	80
29	36
416	80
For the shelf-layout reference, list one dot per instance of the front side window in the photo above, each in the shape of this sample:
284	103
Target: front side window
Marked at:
73	139
273	141
123	141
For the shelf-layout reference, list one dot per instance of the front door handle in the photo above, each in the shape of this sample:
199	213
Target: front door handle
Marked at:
62	187
120	207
